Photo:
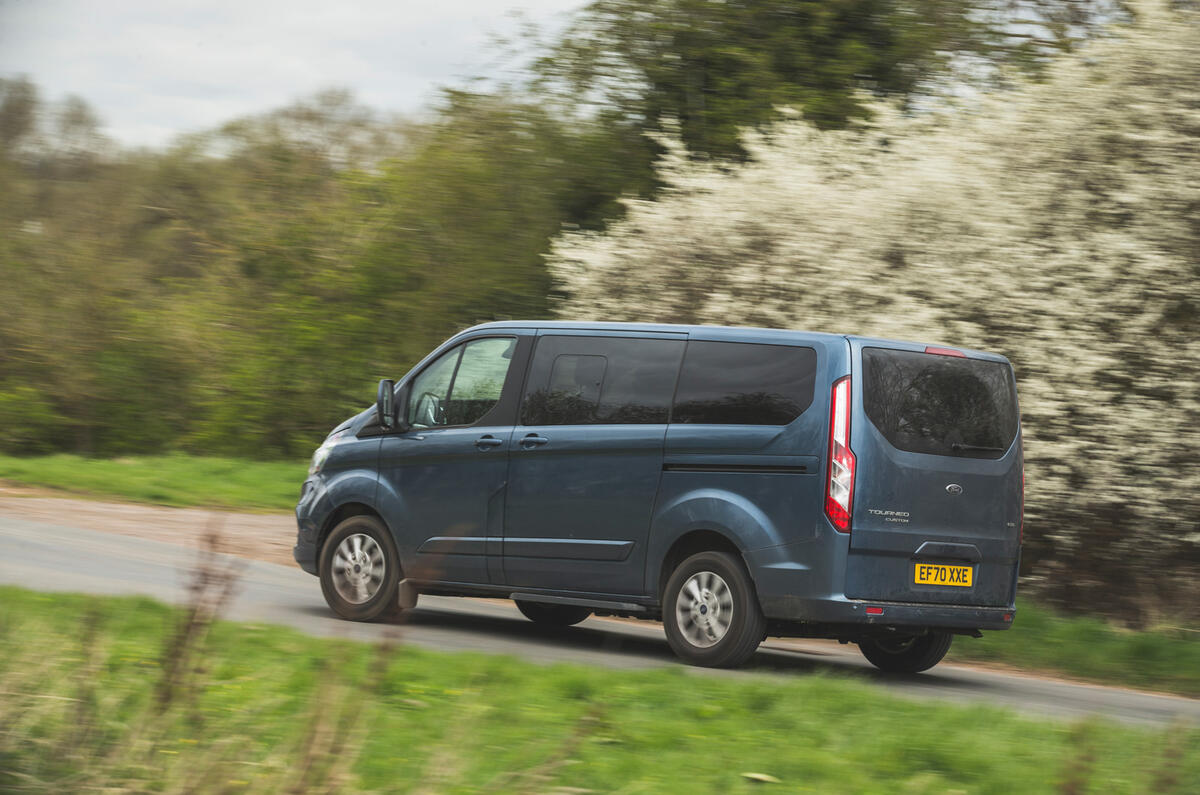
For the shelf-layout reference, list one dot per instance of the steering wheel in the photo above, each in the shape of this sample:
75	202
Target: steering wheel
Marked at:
429	410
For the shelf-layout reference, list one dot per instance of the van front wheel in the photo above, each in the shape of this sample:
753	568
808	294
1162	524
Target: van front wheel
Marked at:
906	655
711	612
360	570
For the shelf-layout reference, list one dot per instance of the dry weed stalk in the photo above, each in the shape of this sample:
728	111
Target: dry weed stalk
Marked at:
84	709
1079	766
446	762
335	731
536	779
1167	779
211	588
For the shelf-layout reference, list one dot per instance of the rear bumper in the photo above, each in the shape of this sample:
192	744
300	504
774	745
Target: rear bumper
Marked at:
805	584
843	611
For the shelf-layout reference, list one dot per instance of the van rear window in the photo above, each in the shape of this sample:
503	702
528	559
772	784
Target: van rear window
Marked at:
942	405
744	383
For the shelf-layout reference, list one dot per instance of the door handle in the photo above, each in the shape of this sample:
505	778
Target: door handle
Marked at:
487	442
533	440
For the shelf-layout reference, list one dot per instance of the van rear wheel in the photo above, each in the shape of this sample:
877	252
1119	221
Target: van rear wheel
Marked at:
711	612
553	615
906	655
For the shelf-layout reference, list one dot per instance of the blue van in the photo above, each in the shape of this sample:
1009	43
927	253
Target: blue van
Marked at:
733	482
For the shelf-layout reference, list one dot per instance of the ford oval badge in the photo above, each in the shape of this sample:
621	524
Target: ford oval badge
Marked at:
954	488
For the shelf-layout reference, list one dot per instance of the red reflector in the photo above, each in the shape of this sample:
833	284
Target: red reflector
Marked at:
946	352
1008	616
874	611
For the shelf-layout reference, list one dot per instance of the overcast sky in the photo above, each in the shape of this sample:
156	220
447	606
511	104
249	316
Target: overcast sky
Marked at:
154	68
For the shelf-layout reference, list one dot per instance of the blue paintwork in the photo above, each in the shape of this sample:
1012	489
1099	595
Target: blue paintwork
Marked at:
589	482
593	512
438	483
984	520
350	475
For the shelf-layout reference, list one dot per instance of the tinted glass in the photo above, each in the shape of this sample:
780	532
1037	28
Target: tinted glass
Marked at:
462	385
944	405
430	389
600	380
738	383
479	380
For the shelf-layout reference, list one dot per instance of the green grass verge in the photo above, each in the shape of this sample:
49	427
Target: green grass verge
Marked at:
166	480
1090	648
267	709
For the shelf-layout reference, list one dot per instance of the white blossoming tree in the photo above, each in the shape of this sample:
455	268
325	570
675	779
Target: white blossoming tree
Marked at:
1058	223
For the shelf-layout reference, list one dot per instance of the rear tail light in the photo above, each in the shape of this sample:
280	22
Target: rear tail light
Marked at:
839	491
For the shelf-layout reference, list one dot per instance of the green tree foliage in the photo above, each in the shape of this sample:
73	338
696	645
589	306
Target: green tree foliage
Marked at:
240	292
713	67
1056	224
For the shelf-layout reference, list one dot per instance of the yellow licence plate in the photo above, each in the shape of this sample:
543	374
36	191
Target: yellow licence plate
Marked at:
936	574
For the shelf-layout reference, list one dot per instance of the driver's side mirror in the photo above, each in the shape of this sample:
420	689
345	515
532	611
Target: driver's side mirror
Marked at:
385	403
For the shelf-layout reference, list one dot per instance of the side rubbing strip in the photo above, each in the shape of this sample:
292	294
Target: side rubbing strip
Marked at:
776	469
454	545
567	548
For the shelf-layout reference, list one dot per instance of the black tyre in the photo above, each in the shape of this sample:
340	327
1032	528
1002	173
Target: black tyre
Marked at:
907	655
553	615
360	569
711	612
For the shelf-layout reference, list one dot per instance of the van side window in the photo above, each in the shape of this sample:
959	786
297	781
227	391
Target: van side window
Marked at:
740	383
576	380
462	385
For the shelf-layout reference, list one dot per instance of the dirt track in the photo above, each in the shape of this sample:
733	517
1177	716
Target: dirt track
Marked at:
261	536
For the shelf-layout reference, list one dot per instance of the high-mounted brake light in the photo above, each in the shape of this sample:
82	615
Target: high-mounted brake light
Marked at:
839	490
945	352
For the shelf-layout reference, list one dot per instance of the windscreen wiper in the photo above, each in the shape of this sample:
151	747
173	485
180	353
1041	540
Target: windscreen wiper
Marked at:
959	447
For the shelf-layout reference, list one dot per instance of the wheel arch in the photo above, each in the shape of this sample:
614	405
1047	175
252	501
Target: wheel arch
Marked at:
688	544
705	519
340	514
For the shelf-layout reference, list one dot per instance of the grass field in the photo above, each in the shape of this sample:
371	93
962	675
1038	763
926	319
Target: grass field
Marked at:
125	694
166	480
1041	640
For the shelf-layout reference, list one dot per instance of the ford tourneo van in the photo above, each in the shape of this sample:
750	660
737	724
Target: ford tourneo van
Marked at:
735	483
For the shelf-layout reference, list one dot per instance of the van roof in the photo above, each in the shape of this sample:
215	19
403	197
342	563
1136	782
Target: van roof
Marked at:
673	328
744	333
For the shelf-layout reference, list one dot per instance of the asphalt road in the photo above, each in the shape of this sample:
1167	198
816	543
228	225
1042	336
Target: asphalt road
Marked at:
59	558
